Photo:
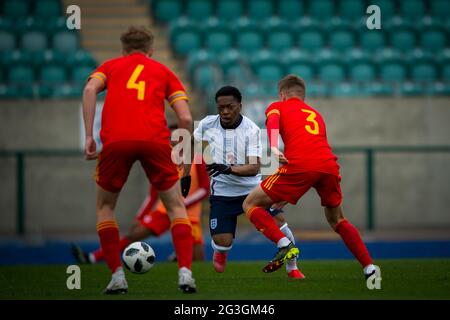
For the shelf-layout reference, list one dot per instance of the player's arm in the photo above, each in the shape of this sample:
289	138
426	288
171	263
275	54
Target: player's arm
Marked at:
273	130
247	170
92	88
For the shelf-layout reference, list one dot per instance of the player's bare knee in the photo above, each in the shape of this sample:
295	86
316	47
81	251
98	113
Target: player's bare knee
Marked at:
248	204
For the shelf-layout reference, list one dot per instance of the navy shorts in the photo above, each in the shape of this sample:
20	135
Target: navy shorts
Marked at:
224	212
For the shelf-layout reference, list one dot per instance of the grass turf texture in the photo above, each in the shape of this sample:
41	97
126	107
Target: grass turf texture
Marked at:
402	279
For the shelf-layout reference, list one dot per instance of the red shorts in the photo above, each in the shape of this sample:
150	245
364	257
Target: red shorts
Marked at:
117	158
158	222
284	186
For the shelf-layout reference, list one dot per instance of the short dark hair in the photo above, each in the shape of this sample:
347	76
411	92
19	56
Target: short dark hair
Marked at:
229	91
292	85
137	38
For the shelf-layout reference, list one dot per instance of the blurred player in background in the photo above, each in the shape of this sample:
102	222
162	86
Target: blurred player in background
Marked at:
236	151
152	219
308	162
134	128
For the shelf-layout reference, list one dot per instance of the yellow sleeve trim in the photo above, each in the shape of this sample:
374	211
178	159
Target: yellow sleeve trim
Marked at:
179	98
274	111
176	93
99	75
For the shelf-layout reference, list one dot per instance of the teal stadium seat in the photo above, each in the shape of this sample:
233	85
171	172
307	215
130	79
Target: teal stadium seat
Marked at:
321	9
185	36
228	59
6	23
79	75
387	8
266	66
311	39
197	58
249	37
239	72
16	9
21	75
433	39
167	10
206	75
290	10
34	41
229	10
278	34
260	9
440	9
66	41
424	72
53	75
199	9
342	40
345	89
393	71
352	10
78	58
403	39
412	9
298	62
303	70
331	72
7	41
48	9
372	40
445	73
362	72
218	36
263	57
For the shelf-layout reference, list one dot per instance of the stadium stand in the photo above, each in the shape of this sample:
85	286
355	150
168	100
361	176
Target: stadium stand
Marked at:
39	56
325	41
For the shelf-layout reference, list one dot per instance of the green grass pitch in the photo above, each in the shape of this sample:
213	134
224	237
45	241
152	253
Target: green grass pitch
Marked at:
402	279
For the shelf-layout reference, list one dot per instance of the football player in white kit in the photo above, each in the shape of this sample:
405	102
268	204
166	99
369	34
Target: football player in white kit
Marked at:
236	150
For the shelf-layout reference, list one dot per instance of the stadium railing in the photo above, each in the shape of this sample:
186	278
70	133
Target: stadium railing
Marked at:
369	151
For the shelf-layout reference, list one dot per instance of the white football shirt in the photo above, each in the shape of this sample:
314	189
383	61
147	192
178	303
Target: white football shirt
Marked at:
232	147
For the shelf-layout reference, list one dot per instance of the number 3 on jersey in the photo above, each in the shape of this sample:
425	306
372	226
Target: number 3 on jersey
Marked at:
139	86
311	118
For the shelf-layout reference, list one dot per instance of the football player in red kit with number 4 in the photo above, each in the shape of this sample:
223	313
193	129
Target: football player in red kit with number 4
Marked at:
307	162
134	128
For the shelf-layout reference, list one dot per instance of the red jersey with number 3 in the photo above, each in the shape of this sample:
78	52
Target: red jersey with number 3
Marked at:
137	87
304	136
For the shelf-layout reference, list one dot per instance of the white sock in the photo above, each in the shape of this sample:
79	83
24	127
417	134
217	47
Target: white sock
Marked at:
220	249
185	271
118	274
91	258
283	242
291	264
369	269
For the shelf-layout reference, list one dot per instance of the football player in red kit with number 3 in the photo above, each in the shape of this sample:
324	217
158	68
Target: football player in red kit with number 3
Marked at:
307	162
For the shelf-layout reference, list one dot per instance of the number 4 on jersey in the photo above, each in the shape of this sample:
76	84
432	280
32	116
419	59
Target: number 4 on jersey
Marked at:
139	86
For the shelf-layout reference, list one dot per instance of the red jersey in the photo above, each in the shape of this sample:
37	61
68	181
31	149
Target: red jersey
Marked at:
134	106
305	138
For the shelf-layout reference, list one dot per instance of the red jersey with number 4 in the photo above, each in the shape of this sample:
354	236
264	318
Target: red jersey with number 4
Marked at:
305	138
137	87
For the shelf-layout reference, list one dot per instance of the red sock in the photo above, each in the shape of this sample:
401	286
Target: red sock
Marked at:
182	241
353	241
98	254
264	222
108	232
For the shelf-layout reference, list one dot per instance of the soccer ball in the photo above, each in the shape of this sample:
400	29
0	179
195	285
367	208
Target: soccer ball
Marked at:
138	257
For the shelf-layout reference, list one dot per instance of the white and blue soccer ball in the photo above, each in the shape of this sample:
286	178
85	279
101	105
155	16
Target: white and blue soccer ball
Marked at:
138	257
